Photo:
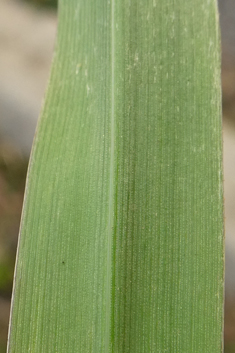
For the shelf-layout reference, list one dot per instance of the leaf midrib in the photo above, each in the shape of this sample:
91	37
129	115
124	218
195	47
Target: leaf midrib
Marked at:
111	187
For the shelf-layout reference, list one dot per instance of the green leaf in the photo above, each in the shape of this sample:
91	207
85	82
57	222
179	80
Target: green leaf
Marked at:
121	241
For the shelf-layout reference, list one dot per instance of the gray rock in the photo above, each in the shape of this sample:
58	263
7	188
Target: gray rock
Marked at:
26	40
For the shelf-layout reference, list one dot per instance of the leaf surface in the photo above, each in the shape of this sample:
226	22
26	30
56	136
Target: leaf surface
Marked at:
121	241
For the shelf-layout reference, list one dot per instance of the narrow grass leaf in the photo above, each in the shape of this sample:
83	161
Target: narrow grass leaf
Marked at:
121	240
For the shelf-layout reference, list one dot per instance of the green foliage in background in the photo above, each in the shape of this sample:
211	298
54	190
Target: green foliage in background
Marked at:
44	3
121	241
2	348
229	348
13	169
6	276
12	181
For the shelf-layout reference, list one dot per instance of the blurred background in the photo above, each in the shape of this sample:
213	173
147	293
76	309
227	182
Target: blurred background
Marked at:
27	35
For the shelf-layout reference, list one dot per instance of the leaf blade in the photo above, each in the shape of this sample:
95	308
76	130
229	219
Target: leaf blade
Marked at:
121	243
